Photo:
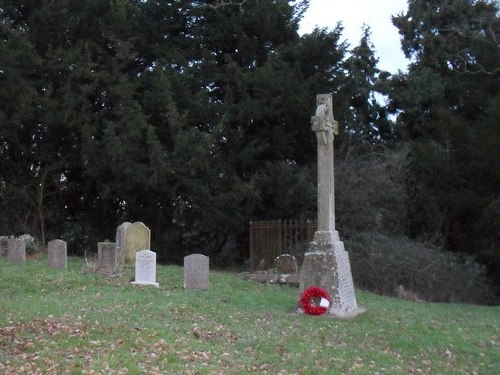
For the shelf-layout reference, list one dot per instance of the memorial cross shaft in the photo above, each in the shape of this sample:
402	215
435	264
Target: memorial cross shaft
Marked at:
325	127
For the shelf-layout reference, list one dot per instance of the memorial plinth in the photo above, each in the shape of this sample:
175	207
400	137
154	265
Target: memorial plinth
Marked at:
326	264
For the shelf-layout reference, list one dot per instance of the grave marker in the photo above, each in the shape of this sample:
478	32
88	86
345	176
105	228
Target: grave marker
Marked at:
16	250
3	247
137	237
121	232
57	254
196	269
145	268
107	260
285	263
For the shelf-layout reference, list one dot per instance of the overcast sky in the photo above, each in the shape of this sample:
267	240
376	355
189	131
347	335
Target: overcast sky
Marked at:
353	14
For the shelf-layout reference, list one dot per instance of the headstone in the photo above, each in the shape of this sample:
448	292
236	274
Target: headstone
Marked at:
137	237
107	259
196	269
285	263
57	254
16	250
326	264
30	241
121	231
145	268
3	247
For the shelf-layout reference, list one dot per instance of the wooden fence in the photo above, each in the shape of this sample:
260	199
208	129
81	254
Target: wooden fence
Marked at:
271	238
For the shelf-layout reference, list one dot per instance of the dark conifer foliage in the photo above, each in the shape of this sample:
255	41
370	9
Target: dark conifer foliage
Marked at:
366	119
448	105
191	116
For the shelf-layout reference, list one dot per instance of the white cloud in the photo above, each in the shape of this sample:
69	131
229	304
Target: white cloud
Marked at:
353	14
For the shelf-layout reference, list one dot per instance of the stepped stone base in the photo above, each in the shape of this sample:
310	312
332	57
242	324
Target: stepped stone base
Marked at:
326	265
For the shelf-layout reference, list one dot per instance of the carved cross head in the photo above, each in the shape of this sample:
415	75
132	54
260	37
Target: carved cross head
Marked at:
323	122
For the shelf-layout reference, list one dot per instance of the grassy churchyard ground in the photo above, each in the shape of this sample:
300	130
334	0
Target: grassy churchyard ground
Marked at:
72	322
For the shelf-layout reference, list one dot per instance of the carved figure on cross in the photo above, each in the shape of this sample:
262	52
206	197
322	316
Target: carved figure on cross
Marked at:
323	122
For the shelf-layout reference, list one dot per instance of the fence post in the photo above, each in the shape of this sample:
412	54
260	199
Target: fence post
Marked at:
252	255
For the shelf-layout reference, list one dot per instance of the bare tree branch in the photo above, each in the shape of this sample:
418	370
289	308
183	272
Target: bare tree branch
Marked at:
474	35
464	69
488	36
479	71
223	3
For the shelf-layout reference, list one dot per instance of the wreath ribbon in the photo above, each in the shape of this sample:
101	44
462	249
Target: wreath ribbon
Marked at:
308	296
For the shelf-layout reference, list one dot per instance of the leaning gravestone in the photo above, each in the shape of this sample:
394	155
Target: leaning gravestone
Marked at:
121	232
137	237
57	254
326	264
16	250
145	268
196	269
107	259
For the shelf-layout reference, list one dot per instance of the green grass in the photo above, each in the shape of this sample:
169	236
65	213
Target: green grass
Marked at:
72	322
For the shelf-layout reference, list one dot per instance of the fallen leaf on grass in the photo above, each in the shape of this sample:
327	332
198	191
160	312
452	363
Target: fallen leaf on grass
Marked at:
20	337
218	332
55	327
160	344
196	356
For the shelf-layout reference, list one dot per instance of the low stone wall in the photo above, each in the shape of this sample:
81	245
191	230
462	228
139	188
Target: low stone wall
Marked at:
272	277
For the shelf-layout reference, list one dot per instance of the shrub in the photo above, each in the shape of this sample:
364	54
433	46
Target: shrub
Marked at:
389	265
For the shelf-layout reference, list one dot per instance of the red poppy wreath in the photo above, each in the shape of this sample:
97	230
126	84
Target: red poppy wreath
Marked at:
312	294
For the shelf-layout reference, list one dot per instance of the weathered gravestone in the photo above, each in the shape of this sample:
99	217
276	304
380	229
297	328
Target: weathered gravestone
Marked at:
107	259
16	250
326	264
145	268
285	263
3	247
196	269
121	232
57	254
137	237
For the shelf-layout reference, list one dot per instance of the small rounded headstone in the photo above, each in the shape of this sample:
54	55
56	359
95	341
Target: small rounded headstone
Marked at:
285	263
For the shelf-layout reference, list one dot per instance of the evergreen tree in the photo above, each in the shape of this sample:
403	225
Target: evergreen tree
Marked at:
191	116
447	103
366	119
260	80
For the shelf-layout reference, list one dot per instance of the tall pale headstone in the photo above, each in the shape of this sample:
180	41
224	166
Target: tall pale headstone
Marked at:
196	269
137	237
326	264
121	232
57	251
145	268
16	250
107	259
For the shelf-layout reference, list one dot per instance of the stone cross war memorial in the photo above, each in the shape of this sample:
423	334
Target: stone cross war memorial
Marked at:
326	263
